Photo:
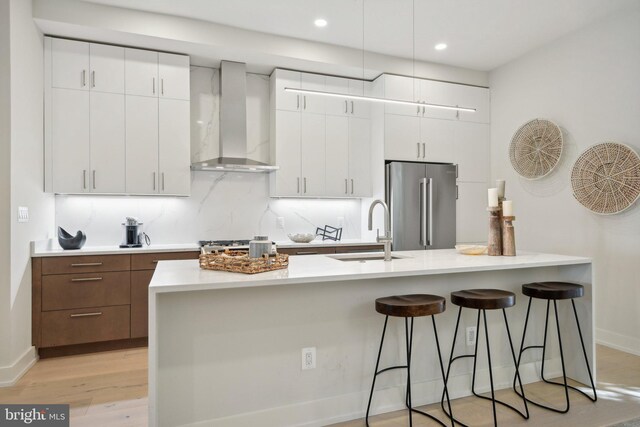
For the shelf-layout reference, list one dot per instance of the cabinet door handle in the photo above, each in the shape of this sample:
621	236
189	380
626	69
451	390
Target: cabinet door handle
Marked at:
418	112
456	170
97	313
154	181
424	150
87	279
93	78
305	185
153	87
418	146
346	106
84	179
457	193
84	78
162	181
86	264
423	110
351	185
161	86
307	253
305	102
94	179
351	107
298	102
298	190
346	186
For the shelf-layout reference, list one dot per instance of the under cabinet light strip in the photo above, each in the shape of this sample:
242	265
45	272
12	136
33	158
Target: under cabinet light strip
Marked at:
376	99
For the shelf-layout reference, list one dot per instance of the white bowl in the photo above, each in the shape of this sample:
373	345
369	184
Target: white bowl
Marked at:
471	249
301	237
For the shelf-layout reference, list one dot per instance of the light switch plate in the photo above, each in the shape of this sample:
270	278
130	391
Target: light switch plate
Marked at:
23	214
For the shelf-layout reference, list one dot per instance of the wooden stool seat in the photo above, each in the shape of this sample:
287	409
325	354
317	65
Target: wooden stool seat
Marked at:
416	305
484	299
553	290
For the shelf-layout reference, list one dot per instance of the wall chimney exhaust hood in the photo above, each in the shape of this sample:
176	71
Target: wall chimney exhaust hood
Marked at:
233	125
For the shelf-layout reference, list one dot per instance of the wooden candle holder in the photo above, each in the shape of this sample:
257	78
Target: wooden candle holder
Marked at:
508	236
495	233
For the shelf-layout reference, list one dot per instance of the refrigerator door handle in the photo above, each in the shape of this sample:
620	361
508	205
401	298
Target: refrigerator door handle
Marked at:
423	211
430	228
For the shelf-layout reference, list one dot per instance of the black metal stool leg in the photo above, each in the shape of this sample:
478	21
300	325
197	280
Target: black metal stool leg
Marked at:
475	358
409	351
446	391
384	329
446	377
586	359
408	342
524	334
517	374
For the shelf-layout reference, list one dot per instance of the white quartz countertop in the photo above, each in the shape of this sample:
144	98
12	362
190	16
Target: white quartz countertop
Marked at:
177	276
48	248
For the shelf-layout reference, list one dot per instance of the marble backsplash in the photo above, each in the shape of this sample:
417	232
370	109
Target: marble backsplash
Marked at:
222	205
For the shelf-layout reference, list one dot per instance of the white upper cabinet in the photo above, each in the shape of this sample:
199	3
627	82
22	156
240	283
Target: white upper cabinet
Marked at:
70	64
174	146
312	139
107	68
70	141
173	71
281	99
141	72
107	142
471	141
440	93
403	89
437	139
359	108
285	146
312	103
337	155
142	145
402	138
359	157
474	97
337	106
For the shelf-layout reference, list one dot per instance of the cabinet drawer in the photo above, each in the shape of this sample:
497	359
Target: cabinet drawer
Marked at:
149	261
65	291
355	249
140	302
65	327
85	264
308	251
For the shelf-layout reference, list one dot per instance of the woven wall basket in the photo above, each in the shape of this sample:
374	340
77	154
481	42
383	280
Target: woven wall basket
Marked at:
536	148
606	178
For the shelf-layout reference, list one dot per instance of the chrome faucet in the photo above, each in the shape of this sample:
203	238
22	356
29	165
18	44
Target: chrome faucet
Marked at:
386	240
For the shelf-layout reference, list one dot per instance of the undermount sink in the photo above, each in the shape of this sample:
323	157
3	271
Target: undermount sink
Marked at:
364	257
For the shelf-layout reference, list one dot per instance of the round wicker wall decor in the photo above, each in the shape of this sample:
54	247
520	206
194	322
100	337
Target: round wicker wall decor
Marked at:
536	148
606	178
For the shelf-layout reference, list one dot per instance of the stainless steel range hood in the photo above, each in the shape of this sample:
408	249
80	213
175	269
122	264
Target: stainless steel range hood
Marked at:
233	125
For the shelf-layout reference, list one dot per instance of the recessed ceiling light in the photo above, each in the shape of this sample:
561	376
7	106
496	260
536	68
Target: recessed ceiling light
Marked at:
441	46
320	22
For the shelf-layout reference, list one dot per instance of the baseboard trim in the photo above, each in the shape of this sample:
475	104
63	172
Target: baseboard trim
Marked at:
9	375
618	341
353	406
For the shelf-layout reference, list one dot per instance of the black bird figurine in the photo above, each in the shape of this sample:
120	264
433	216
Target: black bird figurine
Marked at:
67	241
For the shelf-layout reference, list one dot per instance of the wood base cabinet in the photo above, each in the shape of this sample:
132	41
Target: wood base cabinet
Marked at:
88	303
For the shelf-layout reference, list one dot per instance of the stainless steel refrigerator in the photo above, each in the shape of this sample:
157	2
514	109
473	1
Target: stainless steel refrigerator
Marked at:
422	203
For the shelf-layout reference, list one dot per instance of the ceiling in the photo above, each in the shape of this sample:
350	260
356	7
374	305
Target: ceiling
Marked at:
481	34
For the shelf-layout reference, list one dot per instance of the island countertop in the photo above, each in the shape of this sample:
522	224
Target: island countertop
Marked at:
186	275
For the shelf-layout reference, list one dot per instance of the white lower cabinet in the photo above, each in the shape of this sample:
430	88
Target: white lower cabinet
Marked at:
69	141
174	145
107	143
142	144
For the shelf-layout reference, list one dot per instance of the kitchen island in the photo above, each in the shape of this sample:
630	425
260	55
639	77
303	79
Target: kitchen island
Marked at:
225	348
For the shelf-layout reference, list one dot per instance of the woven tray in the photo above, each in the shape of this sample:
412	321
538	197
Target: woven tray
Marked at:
536	148
239	262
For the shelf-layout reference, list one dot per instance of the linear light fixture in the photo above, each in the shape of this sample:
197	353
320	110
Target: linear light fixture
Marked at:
376	99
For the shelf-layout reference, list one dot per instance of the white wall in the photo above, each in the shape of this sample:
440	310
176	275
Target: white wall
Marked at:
26	97
221	205
589	84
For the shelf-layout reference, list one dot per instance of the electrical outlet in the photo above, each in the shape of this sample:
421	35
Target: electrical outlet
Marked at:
23	214
471	335
308	358
280	222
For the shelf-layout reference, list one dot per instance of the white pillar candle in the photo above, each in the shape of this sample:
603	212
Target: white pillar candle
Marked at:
500	186
493	197
507	208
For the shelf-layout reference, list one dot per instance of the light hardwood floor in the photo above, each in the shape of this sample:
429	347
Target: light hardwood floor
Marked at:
110	389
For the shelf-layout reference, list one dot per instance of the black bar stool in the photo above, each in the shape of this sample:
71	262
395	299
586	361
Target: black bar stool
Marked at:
409	306
553	291
482	300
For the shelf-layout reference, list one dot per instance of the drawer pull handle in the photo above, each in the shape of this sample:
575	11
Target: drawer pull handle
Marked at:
87	279
86	264
306	253
97	313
